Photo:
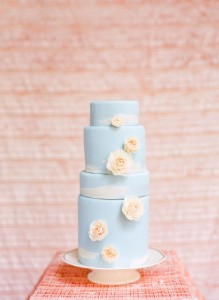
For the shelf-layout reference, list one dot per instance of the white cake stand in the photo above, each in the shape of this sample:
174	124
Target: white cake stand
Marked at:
114	276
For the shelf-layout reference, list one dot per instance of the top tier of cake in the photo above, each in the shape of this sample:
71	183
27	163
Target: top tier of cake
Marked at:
101	113
115	142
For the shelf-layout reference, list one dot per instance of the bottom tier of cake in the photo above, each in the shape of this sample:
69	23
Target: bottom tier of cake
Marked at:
112	233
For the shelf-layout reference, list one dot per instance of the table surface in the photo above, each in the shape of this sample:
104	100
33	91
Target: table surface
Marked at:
169	280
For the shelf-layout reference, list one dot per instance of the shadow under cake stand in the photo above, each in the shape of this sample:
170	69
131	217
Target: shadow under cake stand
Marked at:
116	275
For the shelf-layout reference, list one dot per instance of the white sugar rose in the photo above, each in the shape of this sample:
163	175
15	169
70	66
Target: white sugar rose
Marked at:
117	121
119	162
98	230
131	145
110	254
133	208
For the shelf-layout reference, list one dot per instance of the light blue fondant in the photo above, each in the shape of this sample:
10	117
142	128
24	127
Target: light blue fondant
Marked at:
100	141
102	112
129	237
114	187
102	193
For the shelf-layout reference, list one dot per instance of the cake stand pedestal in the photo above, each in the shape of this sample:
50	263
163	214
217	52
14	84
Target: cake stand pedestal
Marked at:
114	276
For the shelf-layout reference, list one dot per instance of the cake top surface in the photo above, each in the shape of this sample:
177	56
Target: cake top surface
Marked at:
113	102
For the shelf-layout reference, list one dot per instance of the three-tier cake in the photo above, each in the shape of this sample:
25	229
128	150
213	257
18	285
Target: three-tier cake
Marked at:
113	200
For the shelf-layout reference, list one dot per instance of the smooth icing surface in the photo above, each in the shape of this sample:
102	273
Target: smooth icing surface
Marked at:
100	141
113	187
130	238
87	254
102	112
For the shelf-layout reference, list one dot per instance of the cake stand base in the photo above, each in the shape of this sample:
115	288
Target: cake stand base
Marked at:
112	277
117	275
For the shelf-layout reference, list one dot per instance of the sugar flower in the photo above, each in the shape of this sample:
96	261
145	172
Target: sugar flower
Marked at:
133	208
131	145
98	230
117	121
110	254
119	162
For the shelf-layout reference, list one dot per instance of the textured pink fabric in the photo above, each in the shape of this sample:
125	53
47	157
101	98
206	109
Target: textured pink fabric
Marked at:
169	280
57	56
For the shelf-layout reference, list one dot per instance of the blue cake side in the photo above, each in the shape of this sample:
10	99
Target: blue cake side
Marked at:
104	186
100	141
128	237
102	112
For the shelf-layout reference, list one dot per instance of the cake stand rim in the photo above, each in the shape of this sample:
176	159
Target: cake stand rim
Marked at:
142	266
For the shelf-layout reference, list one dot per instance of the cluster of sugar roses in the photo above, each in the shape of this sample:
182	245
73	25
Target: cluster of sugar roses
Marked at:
133	209
97	232
119	163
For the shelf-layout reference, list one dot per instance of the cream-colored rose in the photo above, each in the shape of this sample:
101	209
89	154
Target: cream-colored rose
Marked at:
133	208
117	121
119	162
110	254
131	145
98	230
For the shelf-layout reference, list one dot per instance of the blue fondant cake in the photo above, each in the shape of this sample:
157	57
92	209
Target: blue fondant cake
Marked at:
114	188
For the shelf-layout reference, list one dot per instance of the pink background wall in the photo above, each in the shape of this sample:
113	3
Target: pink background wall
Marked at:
57	56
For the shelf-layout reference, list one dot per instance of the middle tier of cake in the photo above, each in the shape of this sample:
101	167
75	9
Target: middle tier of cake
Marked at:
101	141
104	186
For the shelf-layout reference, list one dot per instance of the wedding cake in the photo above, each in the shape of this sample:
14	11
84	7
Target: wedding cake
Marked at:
113	200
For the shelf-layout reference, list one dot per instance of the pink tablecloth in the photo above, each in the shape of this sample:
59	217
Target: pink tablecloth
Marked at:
167	281
57	56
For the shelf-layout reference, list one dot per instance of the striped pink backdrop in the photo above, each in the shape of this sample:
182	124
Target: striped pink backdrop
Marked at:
57	56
